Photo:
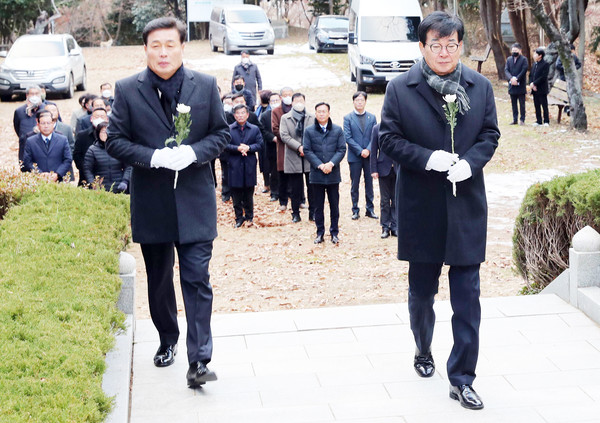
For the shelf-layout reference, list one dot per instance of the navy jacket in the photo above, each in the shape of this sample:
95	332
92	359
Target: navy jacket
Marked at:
54	158
251	75
357	138
380	162
322	148
539	77
433	225
242	169
138	126
518	69
23	124
99	163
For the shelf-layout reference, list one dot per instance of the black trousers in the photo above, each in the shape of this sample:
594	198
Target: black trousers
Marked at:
243	203
521	100
423	280
296	181
273	174
540	101
283	188
225	178
194	259
387	203
356	168
333	196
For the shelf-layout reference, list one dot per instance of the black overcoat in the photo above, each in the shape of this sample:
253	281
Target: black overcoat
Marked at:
242	169
539	76
517	68
433	225
138	126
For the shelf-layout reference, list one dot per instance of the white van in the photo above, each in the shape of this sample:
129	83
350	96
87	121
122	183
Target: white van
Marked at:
240	27
383	40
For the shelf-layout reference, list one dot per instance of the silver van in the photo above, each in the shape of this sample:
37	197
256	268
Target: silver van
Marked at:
240	27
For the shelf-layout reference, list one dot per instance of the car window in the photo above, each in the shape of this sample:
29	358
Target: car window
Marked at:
70	44
37	48
390	28
246	16
332	23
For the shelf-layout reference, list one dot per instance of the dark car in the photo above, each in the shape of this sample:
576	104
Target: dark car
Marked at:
329	32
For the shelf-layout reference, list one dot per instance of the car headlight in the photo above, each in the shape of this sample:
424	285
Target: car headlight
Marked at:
58	80
366	60
4	82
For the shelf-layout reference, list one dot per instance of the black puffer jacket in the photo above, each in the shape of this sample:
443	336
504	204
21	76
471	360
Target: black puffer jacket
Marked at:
99	163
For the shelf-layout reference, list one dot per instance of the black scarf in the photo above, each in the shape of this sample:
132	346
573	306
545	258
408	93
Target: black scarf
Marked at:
169	90
299	118
447	84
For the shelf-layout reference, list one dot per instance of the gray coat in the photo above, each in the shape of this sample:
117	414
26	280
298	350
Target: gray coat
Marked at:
293	163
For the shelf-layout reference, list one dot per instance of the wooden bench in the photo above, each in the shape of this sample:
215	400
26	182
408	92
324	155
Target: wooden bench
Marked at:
481	59
558	96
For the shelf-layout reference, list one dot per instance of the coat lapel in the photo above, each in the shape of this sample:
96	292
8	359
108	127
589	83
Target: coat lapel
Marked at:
425	90
151	96
187	87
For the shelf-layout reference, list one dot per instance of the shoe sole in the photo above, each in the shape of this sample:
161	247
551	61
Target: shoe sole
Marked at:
207	377
454	396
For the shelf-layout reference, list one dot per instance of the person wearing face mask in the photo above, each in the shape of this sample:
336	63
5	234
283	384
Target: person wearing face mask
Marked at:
276	114
227	101
516	72
84	122
270	142
295	166
239	87
85	101
24	117
249	71
85	139
113	174
106	93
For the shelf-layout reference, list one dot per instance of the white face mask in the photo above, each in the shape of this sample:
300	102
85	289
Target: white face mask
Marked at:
245	60
228	108
97	121
106	93
299	107
275	105
35	100
287	100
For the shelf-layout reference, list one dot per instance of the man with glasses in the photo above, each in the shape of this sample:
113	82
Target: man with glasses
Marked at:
436	224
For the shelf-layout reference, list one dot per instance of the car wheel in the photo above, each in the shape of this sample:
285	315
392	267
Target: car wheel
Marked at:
70	89
5	97
213	47
271	51
83	85
226	49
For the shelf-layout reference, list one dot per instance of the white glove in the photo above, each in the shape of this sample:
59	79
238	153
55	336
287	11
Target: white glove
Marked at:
460	171
183	157
162	158
441	161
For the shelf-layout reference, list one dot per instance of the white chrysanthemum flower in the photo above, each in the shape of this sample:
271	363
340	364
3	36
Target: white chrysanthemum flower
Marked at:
450	98
182	108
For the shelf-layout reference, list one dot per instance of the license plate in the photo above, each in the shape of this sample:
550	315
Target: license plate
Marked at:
252	43
339	42
25	86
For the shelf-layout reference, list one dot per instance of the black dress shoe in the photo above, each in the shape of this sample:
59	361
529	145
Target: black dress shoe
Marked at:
371	214
385	233
355	216
274	198
296	218
198	374
467	396
394	232
239	223
225	198
165	355
424	364
513	123
335	239
311	217
319	239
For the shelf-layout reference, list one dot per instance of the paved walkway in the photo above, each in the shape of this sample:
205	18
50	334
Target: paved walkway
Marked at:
539	362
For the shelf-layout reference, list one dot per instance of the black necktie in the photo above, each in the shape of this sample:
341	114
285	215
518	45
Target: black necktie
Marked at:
166	106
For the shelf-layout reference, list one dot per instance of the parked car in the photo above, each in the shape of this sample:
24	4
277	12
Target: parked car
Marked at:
55	60
328	33
240	27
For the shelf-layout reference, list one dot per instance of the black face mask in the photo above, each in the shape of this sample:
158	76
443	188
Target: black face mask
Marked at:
516	54
239	87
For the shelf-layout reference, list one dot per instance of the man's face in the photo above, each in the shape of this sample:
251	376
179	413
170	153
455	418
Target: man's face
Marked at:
53	110
239	100
46	125
298	99
228	101
239	82
97	103
442	62
99	114
359	103
322	114
536	57
241	115
245	56
274	101
164	52
515	50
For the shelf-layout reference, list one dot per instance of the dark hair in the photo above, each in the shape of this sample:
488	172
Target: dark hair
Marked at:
226	96
240	106
164	23
99	128
274	93
82	99
99	108
41	114
90	97
359	93
237	95
441	23
540	52
42	86
105	83
322	103
265	95
236	77
516	45
245	52
296	95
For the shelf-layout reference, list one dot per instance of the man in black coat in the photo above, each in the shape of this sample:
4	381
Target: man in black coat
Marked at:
271	145
173	200
538	81
516	72
382	168
85	139
436	227
24	117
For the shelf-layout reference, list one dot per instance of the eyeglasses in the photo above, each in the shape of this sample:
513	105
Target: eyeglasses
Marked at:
436	48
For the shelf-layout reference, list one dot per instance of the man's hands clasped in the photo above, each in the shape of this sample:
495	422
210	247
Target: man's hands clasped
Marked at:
176	159
442	161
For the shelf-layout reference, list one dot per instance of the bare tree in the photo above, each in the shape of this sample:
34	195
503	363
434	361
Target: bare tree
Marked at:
517	13
490	11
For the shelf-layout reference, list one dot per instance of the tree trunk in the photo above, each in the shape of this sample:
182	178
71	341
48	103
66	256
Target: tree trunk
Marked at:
518	23
581	6
578	115
331	7
490	11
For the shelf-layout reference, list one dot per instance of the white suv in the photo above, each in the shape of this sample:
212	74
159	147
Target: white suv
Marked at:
55	60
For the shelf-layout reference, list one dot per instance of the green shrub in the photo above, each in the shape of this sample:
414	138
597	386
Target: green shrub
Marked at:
551	213
59	285
13	184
